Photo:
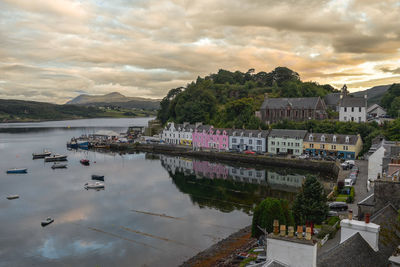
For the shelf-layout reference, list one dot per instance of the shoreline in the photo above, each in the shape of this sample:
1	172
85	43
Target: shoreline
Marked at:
328	167
70	119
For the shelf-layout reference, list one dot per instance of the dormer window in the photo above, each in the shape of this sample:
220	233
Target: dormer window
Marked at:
234	133
259	135
347	139
323	138
250	134
334	138
311	138
241	133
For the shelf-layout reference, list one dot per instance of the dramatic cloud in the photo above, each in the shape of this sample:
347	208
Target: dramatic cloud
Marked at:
53	50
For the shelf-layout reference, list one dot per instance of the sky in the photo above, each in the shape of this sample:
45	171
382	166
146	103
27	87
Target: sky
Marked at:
54	50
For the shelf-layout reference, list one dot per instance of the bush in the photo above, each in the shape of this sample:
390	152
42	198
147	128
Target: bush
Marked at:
349	199
332	220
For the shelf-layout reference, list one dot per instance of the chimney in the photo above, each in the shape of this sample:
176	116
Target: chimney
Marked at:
290	231
350	215
276	227
299	232
308	233
197	124
369	231
365	96
283	230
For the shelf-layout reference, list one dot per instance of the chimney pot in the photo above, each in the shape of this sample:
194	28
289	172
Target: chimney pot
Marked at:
308	233
283	230
367	215
290	231
350	215
299	232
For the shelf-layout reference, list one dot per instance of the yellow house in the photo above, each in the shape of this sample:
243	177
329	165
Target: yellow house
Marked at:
345	146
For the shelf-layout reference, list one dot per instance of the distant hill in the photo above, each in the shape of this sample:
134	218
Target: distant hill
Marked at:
374	94
116	99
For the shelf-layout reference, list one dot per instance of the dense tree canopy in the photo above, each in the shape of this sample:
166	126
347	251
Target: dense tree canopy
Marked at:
310	204
391	100
217	97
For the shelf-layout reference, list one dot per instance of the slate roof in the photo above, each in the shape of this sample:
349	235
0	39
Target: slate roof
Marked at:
355	251
340	138
295	103
288	133
373	107
332	99
246	133
348	101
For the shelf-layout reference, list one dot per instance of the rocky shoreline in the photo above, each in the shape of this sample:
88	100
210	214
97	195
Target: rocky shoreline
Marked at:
224	252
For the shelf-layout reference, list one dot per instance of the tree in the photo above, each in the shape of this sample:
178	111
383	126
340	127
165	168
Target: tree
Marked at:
267	211
310	204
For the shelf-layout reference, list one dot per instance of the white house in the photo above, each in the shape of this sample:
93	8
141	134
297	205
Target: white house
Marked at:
375	111
254	140
178	134
375	161
353	109
286	141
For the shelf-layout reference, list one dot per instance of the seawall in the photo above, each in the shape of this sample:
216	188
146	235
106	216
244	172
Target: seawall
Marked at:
329	167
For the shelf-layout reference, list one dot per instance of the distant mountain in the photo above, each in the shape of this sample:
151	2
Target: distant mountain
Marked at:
116	99
374	94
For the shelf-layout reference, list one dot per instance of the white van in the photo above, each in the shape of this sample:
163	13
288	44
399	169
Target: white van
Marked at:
348	182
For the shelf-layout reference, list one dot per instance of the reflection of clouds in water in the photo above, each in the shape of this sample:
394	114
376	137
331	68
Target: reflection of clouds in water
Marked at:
52	250
3	145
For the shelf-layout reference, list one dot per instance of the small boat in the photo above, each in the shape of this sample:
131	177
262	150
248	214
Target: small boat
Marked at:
96	185
42	155
83	144
72	144
85	162
98	177
56	157
15	170
58	166
12	197
47	222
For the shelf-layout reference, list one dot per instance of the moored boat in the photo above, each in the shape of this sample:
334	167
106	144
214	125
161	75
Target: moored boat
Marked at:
58	166
56	157
98	177
16	170
83	144
85	162
47	222
44	154
96	185
12	197
72	144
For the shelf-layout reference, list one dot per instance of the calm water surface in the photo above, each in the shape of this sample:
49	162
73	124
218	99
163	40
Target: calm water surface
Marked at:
156	210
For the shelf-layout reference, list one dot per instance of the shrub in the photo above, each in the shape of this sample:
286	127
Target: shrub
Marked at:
332	220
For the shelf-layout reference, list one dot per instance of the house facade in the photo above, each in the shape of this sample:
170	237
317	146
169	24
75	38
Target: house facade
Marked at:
286	141
208	137
353	109
375	111
294	109
336	145
178	134
254	140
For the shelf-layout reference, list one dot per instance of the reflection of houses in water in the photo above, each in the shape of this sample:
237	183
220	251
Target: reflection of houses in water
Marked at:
174	164
210	170
283	181
247	175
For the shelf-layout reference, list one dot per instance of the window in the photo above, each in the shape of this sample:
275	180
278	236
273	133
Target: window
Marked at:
333	146
352	118
323	138
352	109
250	173
347	139
359	109
345	109
334	138
250	142
297	151
345	148
241	141
272	142
258	148
233	140
311	138
284	143
233	170
297	144
323	146
311	145
345	118
259	142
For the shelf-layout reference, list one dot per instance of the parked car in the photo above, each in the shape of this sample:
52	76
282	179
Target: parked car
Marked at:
352	176
249	152
355	169
304	156
351	163
332	213
344	166
338	206
348	182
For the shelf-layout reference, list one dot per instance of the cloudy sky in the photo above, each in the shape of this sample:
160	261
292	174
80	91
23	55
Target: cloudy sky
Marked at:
54	50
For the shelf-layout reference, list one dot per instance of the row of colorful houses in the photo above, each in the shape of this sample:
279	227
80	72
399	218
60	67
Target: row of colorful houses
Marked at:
275	141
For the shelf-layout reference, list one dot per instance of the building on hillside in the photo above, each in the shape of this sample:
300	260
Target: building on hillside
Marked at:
178	134
380	156
254	140
332	101
336	145
208	137
294	109
353	109
282	141
375	111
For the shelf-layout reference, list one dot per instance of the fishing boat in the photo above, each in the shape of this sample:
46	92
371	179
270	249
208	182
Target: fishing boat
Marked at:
72	144
56	157
47	222
12	197
83	144
42	155
98	177
58	166
96	185
16	170
85	162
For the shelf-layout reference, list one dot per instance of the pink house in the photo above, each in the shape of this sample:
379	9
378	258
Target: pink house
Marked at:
207	137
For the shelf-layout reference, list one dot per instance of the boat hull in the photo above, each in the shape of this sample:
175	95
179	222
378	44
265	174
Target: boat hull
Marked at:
40	155
17	171
98	177
59	166
55	158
